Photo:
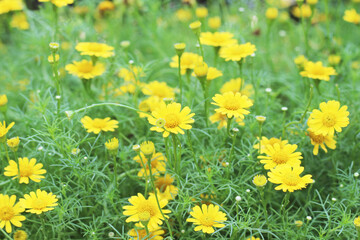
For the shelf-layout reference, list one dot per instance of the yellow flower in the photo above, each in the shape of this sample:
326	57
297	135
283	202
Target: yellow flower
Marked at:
271	13
195	26
253	238
3	100
259	180
148	105
10	212
222	119
140	205
237	52
13	142
20	235
147	148
299	223
97	125
19	21
10	5
139	232
59	3
317	71
95	49
214	22
201	70
51	58
303	12
207	217
232	104
158	164
106	6
300	61
131	75
312	2
179	48
212	73
85	69
265	142
321	140
175	119
217	39
4	130
158	89
39	202
352	16
289	178
188	61
112	144
329	118
165	189
183	15
28	170
334	59
234	86
81	10
277	155
201	12
357	222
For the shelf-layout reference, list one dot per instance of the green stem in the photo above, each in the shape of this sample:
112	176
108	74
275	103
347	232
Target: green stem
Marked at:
6	235
216	55
56	22
145	172
175	162
231	153
115	170
264	203
6	151
206	102
43	225
260	133
180	80
241	74
201	47
228	127
147	231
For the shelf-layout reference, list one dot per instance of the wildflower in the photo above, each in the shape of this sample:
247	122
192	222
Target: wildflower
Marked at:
277	155
85	69
13	143
147	148
214	22
105	6
97	125
320	140
159	89
28	170
179	48
352	16
112	145
10	5
289	178
217	39
271	13
201	12
233	105
334	60
139	232
140	205
39	202
95	49
356	174
20	235
3	100
260	119
312	2
234	86
357	222
222	119
303	12
238	198
188	61
19	21
212	73
10	212
253	238
157	163
259	180
125	44
195	26
300	61
317	71
165	187
329	118
132	74
207	217
75	151
237	52
148	105
183	15
201	70
59	3
309	218
4	130
175	119
298	223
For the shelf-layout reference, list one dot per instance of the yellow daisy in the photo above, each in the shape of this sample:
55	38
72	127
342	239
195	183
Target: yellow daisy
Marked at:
3	100
10	5
183	15
303	12
234	86
259	180
165	187
237	52
95	49
217	39
28	170
59	3
321	140
4	130
212	73
300	61
188	61
39	202
352	16
265	142
10	212
289	178
20	235
277	155
140	205
214	22
139	232
329	118
85	69
97	125
20	21
112	144
222	119
159	89
207	217
317	71
158	164
148	105
233	105
175	119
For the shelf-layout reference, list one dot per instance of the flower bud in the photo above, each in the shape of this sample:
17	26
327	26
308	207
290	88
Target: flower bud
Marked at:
179	48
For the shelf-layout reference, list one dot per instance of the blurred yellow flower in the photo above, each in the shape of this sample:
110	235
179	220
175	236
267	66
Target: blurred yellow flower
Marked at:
139	232
259	180
321	140
97	125
352	16
106	6
10	5
334	59
303	12
188	61
317	71
158	89
28	169
4	130
112	144
222	119
85	69
265	142
217	39
19	21
59	3
214	22
201	12
234	85
183	15
271	13
20	235
3	100
95	49
237	52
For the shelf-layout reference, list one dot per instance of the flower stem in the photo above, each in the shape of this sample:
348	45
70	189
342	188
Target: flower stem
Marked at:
115	170
42	225
231	153
6	235
228	127
145	172
175	162
180	80
56	22
241	74
6	151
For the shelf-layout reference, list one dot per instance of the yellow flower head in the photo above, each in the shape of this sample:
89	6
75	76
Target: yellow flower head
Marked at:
158	89
214	22
59	3
312	2
147	148
158	164
265	142
207	217
357	222
223	119
217	39
232	104
148	105
321	140
176	119
237	52
3	100
303	12
277	155
213	73
259	180
188	61
183	15
39	202
201	70
97	125
112	144
20	235
13	142
234	86
95	49
28	170
317	71
299	223
201	12
195	26
253	238
139	205
271	13
352	16
289	178
164	182
300	61
164	187
10	212
19	21
106	6
85	69
10	5
334	60
169	193
179	48
4	130
139	232
329	118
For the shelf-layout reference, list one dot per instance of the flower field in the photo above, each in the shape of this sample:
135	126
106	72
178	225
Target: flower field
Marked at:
164	119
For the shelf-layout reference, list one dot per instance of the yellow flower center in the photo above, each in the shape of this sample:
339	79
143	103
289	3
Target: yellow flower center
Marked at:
39	204
160	122
99	123
26	172
291	179
144	216
95	48
280	157
318	71
230	104
317	138
147	208
329	119
6	213
172	121
207	221
85	68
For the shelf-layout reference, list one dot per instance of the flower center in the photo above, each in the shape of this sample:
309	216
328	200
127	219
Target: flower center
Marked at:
26	172
207	221
85	68
318	71
317	138
6	213
172	121
147	209
230	104
329	119
39	204
99	123
280	157
291	179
